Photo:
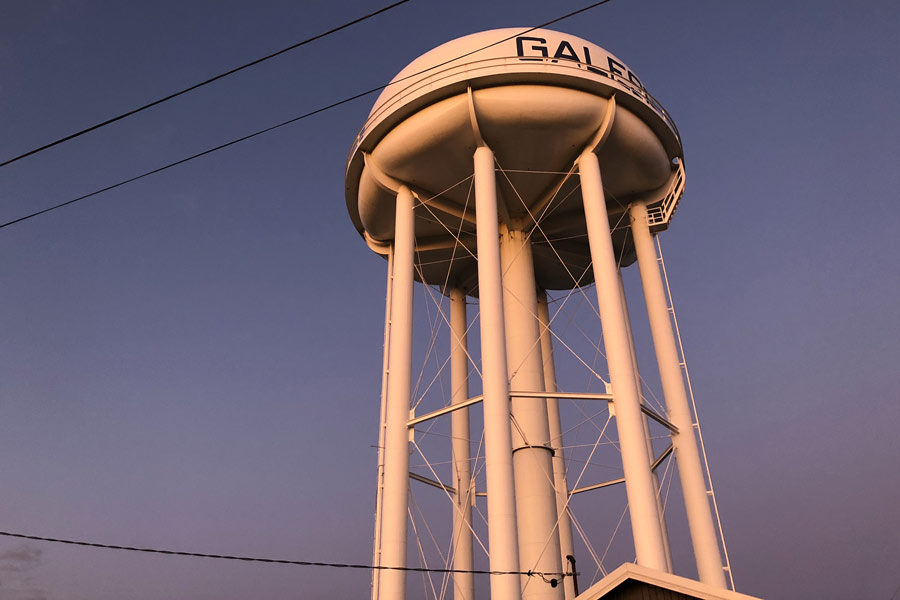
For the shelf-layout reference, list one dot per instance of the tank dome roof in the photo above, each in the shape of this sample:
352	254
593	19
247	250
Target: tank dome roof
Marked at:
483	46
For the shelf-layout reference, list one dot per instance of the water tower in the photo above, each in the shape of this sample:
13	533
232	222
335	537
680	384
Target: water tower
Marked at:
493	169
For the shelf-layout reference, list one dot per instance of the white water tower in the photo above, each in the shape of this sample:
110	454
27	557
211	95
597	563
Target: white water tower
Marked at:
494	168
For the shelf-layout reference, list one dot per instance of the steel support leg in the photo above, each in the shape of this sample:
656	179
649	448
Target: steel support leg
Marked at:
646	424
502	537
463	583
648	539
690	470
392	584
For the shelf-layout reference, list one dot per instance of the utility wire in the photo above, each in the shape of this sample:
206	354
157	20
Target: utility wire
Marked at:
202	83
295	119
301	563
189	158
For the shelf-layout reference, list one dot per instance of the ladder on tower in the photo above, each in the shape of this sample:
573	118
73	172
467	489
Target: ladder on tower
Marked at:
379	489
710	491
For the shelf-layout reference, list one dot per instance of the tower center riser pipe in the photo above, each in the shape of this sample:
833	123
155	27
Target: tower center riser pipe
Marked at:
532	453
566	546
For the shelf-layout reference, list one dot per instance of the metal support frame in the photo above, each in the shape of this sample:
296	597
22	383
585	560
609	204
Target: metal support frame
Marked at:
536	504
528	525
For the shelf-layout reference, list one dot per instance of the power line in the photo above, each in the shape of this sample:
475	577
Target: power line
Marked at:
202	83
295	119
189	158
548	577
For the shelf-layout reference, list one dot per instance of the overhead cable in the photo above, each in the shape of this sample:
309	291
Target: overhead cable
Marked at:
202	83
551	578
294	120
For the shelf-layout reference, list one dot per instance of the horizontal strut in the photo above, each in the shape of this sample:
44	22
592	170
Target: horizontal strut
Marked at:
560	395
441	486
610	482
452	490
444	411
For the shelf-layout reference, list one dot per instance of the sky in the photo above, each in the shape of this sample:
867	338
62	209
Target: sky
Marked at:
193	361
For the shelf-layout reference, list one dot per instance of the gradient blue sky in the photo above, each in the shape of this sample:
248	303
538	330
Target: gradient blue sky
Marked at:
193	361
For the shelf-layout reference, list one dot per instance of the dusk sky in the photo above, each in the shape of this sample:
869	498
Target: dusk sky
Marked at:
193	361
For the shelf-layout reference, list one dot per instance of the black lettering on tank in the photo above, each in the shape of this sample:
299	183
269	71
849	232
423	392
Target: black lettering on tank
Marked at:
538	46
633	79
590	66
566	51
612	66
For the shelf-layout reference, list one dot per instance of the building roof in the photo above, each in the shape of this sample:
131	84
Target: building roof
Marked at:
634	581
